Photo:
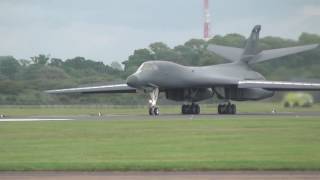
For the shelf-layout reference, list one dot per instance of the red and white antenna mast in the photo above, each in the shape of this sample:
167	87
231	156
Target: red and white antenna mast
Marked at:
206	32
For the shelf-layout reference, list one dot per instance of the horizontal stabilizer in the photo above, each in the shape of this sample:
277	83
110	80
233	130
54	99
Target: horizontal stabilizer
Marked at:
279	85
119	88
277	53
229	53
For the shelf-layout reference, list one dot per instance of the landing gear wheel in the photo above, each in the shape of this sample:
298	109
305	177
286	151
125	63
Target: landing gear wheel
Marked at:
183	109
233	109
227	109
197	109
153	109
190	109
219	109
193	109
156	111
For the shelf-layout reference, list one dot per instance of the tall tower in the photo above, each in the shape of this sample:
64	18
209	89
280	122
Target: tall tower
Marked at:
206	32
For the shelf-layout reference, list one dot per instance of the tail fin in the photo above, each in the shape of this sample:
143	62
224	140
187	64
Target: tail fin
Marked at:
236	54
252	43
251	53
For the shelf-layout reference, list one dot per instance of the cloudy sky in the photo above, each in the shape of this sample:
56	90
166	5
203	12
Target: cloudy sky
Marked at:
109	30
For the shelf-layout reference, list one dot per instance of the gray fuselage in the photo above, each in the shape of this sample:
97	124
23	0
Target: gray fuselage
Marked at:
193	84
168	75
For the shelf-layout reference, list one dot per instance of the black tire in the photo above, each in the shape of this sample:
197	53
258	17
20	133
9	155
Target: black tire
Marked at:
187	109
198	109
229	109
193	109
183	109
151	111
233	109
223	109
156	111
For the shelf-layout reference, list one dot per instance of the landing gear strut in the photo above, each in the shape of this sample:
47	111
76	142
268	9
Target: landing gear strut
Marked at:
227	108
190	109
153	109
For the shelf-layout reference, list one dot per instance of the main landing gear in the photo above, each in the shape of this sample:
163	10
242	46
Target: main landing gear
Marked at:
153	109
227	108
190	109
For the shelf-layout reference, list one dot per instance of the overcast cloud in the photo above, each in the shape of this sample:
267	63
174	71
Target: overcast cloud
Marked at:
109	30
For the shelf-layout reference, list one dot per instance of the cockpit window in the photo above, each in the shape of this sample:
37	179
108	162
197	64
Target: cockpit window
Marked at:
146	67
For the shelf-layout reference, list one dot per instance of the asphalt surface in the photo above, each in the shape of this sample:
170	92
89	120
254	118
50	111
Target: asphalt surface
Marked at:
239	175
161	117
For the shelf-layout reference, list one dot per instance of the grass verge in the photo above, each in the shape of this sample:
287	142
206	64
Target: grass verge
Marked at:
143	145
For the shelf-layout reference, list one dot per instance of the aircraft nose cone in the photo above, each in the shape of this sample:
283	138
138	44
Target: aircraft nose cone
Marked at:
133	81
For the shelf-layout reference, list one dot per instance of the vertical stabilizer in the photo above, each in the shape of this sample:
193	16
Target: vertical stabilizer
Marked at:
252	43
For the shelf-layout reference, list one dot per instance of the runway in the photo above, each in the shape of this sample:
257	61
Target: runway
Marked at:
32	119
111	117
239	175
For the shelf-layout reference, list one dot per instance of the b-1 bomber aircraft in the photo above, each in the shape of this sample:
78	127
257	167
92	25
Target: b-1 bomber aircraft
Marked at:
234	81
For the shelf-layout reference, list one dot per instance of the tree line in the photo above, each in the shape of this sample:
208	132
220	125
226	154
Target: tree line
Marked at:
22	81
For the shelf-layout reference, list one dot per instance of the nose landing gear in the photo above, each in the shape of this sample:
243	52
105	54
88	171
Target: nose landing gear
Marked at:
227	108
153	109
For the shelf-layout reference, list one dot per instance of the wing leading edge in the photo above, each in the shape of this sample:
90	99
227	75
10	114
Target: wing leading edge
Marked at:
280	85
118	88
277	53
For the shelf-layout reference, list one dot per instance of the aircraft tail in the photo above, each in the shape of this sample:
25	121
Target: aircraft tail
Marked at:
237	54
252	43
251	54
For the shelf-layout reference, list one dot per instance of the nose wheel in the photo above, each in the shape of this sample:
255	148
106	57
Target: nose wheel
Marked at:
153	109
190	109
227	108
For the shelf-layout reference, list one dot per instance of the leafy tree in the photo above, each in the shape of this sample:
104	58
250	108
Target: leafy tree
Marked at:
116	65
24	62
139	56
162	51
196	44
9	66
306	38
56	62
40	59
235	40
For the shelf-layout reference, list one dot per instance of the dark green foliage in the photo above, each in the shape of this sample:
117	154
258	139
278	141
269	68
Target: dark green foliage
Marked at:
40	60
23	81
235	40
9	66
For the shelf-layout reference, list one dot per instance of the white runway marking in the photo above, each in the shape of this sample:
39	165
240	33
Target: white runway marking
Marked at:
34	119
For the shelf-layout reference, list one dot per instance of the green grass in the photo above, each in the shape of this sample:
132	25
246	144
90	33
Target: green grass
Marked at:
238	143
251	107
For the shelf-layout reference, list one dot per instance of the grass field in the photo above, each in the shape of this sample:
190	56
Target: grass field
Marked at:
251	107
238	143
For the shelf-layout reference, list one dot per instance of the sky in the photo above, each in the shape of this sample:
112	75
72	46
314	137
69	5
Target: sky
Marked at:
110	30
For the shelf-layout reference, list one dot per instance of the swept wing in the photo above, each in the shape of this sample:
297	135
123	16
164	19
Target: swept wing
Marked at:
117	88
279	85
277	53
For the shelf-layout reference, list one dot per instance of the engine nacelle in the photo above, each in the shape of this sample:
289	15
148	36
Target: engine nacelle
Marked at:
190	95
237	94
